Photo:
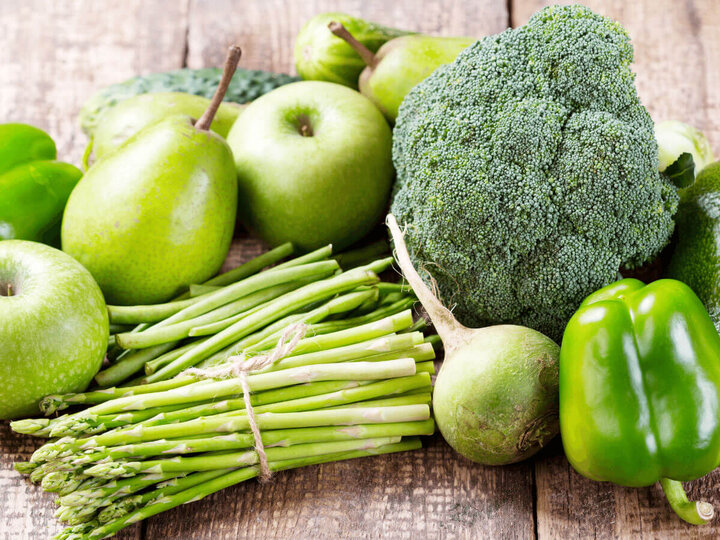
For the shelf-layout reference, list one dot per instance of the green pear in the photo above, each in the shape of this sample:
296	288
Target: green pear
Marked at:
130	116
400	64
158	213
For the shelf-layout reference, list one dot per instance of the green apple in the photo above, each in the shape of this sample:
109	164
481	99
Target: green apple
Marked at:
314	165
53	326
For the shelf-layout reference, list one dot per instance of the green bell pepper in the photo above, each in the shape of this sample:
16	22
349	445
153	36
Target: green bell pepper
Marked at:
34	187
640	389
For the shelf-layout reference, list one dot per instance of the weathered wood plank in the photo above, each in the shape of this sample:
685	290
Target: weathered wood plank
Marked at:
429	493
54	54
677	51
425	494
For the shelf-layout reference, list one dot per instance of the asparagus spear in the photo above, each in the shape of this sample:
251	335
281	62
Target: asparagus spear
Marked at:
117	508
281	400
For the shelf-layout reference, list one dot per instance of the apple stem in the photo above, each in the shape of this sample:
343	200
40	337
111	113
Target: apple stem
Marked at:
231	62
340	31
305	127
9	289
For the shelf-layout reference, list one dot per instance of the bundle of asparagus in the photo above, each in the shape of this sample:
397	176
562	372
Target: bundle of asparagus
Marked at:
357	384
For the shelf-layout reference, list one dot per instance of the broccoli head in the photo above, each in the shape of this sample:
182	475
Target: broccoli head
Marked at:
528	171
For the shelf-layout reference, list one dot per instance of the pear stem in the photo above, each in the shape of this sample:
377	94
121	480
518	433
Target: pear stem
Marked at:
340	31
450	330
231	62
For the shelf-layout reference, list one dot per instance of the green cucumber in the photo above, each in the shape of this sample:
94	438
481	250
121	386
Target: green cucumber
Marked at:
246	85
696	256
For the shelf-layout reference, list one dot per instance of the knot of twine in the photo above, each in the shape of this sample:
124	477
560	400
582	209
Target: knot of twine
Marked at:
240	365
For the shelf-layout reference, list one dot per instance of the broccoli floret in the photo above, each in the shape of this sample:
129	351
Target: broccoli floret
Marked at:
528	171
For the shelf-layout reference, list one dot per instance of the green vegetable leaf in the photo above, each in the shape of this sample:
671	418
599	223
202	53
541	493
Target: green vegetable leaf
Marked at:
682	170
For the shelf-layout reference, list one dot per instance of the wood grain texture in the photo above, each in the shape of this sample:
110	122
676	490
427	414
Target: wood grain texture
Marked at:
428	493
677	54
55	54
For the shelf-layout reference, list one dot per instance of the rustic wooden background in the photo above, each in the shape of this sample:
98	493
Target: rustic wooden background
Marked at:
55	53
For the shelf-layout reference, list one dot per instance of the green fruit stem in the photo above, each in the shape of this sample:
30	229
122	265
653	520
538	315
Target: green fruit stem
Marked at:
340	31
694	512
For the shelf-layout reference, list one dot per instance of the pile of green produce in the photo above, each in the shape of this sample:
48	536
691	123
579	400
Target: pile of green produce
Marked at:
357	384
529	176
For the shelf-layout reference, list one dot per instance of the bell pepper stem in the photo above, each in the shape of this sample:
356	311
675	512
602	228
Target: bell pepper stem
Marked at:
695	512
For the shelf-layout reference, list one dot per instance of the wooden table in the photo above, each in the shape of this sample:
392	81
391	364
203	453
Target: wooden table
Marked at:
55	53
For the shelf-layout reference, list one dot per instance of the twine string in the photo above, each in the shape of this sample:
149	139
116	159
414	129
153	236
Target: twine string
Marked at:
240	366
